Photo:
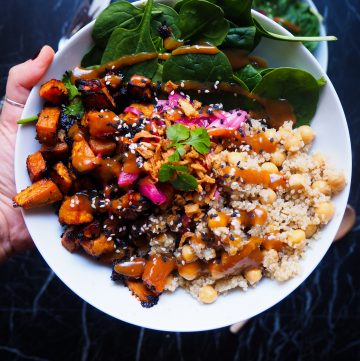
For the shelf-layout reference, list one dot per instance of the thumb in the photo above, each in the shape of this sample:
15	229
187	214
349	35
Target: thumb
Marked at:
23	77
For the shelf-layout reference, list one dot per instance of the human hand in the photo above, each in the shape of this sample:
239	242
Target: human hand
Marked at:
13	233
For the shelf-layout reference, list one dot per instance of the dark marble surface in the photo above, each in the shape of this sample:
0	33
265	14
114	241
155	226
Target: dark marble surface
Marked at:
40	319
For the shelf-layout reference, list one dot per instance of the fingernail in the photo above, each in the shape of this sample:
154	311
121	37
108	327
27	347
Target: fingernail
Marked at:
36	54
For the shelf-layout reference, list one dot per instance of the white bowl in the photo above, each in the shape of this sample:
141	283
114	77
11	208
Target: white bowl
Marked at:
179	311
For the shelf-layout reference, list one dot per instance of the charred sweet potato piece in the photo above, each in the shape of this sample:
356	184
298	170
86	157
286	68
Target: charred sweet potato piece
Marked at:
62	177
102	124
98	246
39	194
83	158
94	94
129	206
132	268
139	88
47	124
76	210
92	230
36	166
109	169
109	258
55	152
157	269
70	239
146	297
54	91
102	146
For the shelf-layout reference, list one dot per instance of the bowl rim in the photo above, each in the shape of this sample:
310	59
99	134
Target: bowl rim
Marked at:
216	323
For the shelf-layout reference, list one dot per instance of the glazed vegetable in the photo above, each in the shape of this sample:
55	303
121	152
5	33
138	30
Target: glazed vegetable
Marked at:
39	194
47	125
54	91
36	166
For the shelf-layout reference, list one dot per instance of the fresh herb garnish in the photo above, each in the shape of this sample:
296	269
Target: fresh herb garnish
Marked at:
75	108
180	135
178	176
72	89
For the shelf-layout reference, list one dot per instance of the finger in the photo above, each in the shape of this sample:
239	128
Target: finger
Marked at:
23	77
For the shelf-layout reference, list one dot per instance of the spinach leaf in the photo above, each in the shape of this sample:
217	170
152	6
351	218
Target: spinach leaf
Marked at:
240	38
238	11
119	14
297	86
92	57
249	75
163	14
198	67
126	42
180	3
202	20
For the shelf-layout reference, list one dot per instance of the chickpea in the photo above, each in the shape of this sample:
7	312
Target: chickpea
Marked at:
296	236
322	187
310	230
284	133
190	271
270	167
278	157
325	211
253	275
267	196
207	294
235	157
293	142
297	181
336	180
188	254
307	134
319	158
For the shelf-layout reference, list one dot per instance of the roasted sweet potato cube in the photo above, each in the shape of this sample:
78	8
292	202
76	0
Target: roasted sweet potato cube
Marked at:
47	124
83	158
55	152
92	230
103	147
54	91
76	210
157	269
94	94
139	88
102	124
36	166
70	239
98	246
61	175
129	206
39	194
146	297
109	258
132	268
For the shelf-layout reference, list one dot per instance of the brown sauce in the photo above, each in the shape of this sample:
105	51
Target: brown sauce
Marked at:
196	49
171	43
258	177
239	58
260	142
130	165
122	62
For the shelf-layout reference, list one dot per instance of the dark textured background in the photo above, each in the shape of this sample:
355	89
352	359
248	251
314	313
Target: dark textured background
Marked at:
40	319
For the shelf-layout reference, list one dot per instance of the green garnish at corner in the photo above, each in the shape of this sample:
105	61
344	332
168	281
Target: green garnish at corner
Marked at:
75	108
178	176
28	120
180	135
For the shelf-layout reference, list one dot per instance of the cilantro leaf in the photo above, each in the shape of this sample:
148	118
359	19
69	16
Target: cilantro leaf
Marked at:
177	133
75	109
185	182
200	140
168	171
72	89
175	157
